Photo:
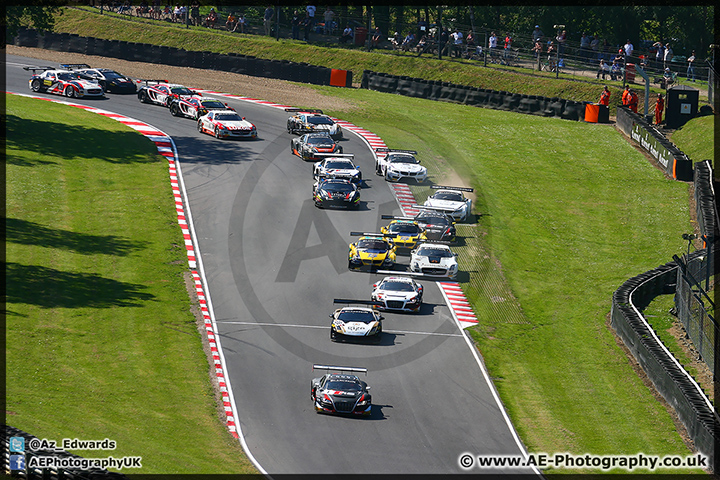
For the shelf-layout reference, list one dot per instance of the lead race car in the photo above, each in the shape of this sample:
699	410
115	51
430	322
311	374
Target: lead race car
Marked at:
62	82
337	165
356	322
396	165
160	92
451	201
307	121
226	124
110	80
338	392
311	145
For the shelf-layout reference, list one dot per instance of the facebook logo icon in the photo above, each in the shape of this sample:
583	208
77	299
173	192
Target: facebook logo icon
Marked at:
17	462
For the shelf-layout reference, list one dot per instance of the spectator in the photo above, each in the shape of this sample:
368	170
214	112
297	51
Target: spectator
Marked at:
659	54
458	41
603	69
561	39
295	23
659	107
615	70
691	66
537	49
633	101
241	23
443	40
195	13
125	8
605	96
376	38
347	35
142	10
310	9
595	47
606	49
628	48
667	78
396	41
470	40
230	23
268	20
584	47
492	44
537	34
408	42
307	24
421	45
625	96
422	28
551	56
176	17
507	46
668	56
211	19
329	17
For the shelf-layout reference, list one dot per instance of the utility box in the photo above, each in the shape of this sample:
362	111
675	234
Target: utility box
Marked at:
681	104
360	35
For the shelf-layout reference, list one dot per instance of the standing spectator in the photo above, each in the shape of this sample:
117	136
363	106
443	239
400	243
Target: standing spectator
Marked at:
633	101
625	96
668	56
551	52
230	22
176	13
628	47
584	47
470	40
507	46
537	51
307	24
422	28
492	45
458	40
605	97
691	66
659	54
183	13
659	107
537	34
376	38
443	41
347	35
595	47
310	9
329	17
295	23
268	20
195	13
561	39
603	69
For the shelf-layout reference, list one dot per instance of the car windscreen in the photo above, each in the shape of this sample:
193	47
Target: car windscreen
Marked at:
320	141
343	386
369	244
342	187
67	76
397	286
431	219
228	117
111	74
181	91
213	104
451	196
434	252
410	228
402	159
319	120
356	316
339	165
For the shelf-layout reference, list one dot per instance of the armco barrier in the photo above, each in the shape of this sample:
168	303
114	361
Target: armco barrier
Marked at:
284	70
668	377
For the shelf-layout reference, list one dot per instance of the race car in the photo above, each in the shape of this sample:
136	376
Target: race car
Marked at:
160	92
338	166
436	225
195	107
355	322
407	233
110	80
372	250
396	165
62	82
398	293
306	121
309	145
434	259
226	124
451	201
339	392
336	192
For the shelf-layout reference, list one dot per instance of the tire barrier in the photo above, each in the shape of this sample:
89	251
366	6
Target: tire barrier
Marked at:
668	377
705	206
141	52
675	163
573	110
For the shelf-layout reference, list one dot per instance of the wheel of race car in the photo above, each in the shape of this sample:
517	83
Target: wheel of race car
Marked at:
217	132
142	95
35	85
318	204
174	110
340	150
378	170
332	335
291	147
200	129
289	127
69	91
103	84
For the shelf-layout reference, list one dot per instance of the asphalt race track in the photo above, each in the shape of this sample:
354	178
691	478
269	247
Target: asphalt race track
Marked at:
273	264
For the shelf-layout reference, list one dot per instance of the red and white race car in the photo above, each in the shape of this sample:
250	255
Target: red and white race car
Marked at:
226	124
196	106
63	82
160	92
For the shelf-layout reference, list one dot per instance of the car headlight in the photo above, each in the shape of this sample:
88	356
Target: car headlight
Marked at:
363	401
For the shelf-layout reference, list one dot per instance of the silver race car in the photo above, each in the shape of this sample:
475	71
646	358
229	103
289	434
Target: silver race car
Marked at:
308	121
434	260
398	293
396	165
452	201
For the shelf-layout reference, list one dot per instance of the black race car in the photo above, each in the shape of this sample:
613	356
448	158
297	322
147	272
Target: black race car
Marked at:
437	225
110	80
339	392
309	145
336	192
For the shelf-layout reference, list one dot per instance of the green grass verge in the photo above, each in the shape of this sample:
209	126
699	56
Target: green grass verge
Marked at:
568	212
87	22
697	138
101	341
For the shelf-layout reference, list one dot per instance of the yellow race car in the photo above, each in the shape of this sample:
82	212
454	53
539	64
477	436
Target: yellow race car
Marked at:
407	233
372	250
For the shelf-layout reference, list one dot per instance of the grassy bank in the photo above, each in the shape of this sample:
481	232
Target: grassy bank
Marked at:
101	342
697	138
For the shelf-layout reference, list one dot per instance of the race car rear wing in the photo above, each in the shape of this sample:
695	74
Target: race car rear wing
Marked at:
336	155
148	82
358	302
445	187
340	369
303	110
371	234
428	207
393	217
394	150
36	68
74	66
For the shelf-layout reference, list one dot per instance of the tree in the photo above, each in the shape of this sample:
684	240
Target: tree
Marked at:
40	17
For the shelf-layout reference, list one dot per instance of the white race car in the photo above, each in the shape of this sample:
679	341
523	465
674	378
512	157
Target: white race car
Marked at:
452	201
63	82
398	293
160	92
226	124
338	166
306	121
396	165
355	323
435	260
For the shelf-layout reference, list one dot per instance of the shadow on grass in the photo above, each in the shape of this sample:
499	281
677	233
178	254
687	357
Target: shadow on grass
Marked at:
69	141
30	233
51	288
